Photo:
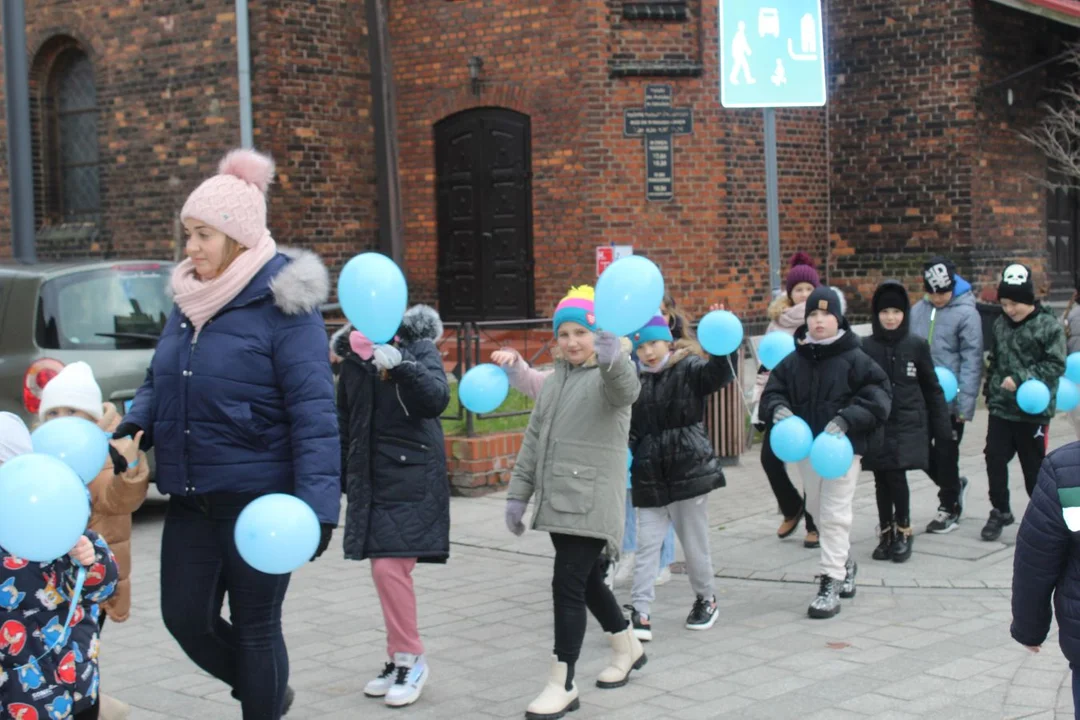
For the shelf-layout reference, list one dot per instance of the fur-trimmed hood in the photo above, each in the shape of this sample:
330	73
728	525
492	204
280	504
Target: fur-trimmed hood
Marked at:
302	285
420	322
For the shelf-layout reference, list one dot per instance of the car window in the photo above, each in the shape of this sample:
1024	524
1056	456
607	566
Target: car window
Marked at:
122	307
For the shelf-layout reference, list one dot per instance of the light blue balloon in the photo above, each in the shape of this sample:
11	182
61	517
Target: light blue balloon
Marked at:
78	442
790	439
276	534
720	332
1033	397
1068	395
1072	367
775	347
948	382
45	507
629	458
373	295
484	388
831	456
628	294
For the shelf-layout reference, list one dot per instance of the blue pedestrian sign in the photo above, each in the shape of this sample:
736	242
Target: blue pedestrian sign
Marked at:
772	54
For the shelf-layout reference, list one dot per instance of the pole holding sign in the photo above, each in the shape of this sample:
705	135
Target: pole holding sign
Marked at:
772	54
607	254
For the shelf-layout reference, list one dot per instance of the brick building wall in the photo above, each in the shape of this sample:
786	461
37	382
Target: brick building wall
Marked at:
167	93
923	160
574	68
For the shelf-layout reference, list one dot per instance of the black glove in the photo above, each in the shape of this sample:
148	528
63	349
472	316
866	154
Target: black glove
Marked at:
324	541
130	430
120	465
837	426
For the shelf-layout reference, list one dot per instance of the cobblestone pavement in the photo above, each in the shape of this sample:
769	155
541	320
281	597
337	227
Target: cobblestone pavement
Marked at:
928	638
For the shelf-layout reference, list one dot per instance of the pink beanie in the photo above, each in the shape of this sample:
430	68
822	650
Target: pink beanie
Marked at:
234	200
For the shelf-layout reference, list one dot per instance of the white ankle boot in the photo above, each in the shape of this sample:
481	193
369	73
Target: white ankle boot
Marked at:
627	653
555	701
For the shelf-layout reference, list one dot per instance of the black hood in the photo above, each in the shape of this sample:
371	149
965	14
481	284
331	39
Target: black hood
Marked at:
420	322
897	288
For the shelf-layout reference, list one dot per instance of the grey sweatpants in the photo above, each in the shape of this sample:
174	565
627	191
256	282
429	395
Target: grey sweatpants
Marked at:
691	520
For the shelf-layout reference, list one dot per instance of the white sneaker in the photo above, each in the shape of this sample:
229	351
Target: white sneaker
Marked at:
381	684
664	577
624	571
410	674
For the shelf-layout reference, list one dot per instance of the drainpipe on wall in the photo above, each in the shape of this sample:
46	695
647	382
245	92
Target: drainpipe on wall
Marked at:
383	102
17	97
243	73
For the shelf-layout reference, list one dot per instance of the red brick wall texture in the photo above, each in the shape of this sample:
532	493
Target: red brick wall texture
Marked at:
912	156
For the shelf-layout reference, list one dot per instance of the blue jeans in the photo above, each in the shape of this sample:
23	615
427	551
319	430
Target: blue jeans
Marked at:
629	538
199	566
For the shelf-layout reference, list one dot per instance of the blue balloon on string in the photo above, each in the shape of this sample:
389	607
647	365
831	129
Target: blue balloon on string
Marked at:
628	294
78	442
790	439
1033	397
373	295
720	332
774	347
1068	395
45	507
484	388
276	534
948	382
1072	367
831	455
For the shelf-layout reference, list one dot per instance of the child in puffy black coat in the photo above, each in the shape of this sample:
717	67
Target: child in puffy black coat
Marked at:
832	384
674	466
919	412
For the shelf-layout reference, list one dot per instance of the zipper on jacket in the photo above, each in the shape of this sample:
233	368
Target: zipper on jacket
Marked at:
933	319
403	442
189	485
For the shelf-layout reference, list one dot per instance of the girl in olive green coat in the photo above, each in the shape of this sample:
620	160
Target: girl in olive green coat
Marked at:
573	460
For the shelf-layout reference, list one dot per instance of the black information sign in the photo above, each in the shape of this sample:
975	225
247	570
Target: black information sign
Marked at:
658	123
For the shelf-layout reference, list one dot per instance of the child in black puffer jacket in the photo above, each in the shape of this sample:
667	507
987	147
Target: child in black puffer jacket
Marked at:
919	412
674	466
832	384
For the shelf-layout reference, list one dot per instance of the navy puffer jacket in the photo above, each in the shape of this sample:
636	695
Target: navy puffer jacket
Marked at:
394	455
1047	558
249	408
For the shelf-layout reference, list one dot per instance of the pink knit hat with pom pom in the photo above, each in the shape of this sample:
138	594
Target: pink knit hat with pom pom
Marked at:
234	200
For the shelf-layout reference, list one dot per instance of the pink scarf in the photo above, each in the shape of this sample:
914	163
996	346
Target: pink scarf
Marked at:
200	300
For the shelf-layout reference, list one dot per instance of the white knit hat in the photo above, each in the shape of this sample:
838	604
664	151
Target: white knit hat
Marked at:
74	387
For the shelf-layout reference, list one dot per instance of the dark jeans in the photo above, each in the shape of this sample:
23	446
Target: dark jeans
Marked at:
893	498
1004	439
90	713
786	495
577	584
945	468
199	566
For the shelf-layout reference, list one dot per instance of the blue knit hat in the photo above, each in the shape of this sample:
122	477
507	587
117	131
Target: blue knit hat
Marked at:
655	329
578	306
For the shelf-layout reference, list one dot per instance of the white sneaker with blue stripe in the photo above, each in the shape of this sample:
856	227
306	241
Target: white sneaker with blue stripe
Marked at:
410	675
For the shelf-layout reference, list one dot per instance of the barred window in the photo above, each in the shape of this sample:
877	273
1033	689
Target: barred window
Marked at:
72	139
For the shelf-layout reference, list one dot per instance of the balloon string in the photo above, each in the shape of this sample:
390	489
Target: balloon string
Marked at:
738	389
76	597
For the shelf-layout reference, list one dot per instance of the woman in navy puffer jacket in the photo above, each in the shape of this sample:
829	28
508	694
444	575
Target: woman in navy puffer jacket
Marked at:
238	403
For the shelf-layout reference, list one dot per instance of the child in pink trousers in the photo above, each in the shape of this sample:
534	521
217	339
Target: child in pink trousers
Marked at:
393	468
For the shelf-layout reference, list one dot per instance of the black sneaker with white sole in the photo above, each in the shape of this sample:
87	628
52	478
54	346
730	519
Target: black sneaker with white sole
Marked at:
703	615
944	522
640	623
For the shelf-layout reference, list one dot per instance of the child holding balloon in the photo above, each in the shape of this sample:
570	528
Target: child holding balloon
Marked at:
121	486
836	388
787	313
393	465
573	461
49	669
674	467
919	413
1028	345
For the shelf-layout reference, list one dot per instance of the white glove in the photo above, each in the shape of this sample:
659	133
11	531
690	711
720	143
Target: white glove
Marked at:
607	347
386	357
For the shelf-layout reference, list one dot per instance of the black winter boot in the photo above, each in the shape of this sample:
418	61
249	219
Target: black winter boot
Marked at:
901	548
886	536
